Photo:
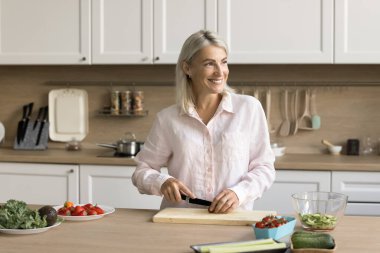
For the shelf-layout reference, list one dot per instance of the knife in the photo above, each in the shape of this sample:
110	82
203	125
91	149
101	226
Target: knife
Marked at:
44	119
20	126
201	202
29	110
38	119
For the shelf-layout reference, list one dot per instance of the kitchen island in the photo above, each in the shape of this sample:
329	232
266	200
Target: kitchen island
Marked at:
132	230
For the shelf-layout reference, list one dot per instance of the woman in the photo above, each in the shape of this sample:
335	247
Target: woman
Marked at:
214	143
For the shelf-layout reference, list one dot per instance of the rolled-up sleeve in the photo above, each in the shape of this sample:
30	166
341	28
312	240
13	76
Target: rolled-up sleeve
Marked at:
147	176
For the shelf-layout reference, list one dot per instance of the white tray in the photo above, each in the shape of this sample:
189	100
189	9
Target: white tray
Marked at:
68	114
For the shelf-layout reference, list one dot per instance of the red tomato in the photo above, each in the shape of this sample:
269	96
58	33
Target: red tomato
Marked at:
260	224
92	212
98	210
88	206
271	221
83	213
77	210
275	223
267	219
64	211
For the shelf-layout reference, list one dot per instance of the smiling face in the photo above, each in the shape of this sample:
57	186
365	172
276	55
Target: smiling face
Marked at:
208	70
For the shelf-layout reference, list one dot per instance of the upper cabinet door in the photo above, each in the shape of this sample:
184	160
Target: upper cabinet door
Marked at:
122	31
277	31
44	32
357	31
175	20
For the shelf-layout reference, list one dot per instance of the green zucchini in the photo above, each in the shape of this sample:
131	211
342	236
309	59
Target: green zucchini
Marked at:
316	240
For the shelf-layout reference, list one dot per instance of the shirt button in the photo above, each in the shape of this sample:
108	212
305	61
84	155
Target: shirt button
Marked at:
209	189
209	169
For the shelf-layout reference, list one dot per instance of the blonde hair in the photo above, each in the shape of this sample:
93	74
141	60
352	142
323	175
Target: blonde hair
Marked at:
192	45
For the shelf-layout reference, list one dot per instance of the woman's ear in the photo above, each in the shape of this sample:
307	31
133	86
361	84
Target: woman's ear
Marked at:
186	68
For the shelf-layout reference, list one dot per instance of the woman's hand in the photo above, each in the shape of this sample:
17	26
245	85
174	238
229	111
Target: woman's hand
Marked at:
224	202
173	188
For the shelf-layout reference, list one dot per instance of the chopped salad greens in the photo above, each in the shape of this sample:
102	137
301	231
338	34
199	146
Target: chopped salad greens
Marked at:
319	221
16	215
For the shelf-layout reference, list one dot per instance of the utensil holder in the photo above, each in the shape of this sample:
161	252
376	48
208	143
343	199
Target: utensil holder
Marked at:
31	136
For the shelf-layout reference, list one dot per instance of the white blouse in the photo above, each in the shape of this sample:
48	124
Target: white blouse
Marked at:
232	151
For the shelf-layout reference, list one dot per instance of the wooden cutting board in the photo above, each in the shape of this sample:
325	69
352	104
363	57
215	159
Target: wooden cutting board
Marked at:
202	216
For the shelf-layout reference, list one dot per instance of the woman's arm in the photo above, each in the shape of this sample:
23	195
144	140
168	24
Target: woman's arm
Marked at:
148	177
261	172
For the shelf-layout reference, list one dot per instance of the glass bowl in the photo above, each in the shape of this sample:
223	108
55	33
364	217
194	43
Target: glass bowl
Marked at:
319	211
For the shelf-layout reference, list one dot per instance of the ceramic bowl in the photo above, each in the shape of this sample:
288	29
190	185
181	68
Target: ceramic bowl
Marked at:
335	150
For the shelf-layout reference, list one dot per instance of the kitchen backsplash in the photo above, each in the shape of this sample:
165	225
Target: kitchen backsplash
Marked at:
345	112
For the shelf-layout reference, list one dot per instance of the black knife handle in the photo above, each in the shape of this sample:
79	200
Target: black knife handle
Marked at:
21	124
200	202
46	110
196	201
44	119
24	111
38	117
30	109
26	117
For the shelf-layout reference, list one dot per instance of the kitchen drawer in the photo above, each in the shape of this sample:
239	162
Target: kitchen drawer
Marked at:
288	182
363	187
42	184
372	209
112	185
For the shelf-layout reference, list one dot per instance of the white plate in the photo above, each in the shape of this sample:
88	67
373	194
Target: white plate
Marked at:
107	210
2	132
28	231
68	114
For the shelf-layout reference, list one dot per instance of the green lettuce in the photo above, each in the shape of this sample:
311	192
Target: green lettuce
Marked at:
16	215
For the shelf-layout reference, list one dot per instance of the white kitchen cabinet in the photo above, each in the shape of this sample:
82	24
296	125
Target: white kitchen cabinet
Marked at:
288	182
45	184
175	20
112	185
277	31
357	31
45	32
122	31
362	189
146	31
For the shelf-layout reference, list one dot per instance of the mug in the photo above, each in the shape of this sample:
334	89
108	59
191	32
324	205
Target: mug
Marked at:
353	147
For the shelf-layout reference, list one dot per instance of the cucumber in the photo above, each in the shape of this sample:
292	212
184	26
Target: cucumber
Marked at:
316	240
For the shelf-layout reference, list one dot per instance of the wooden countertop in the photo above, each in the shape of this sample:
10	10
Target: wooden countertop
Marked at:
288	161
129	230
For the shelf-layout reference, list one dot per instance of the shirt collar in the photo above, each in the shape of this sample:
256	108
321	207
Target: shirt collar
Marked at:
225	105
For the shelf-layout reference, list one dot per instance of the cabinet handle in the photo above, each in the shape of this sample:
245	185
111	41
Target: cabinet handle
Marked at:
83	58
71	171
157	58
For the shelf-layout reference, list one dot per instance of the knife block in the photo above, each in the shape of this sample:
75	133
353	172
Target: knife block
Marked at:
31	136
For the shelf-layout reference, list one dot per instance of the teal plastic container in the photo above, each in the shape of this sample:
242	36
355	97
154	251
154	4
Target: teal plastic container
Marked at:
276	233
